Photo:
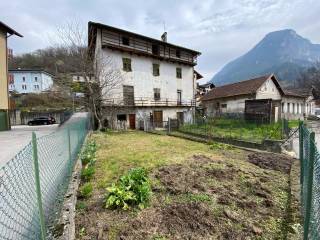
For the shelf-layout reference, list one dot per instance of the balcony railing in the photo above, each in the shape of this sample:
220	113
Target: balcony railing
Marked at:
149	102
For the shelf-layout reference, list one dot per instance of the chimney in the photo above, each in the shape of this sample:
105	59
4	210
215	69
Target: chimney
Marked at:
164	37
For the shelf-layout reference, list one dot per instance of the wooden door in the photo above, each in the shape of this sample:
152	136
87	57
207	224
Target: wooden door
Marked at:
158	119
132	121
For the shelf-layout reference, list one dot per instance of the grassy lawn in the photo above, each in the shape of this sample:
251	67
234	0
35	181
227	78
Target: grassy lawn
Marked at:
199	191
236	129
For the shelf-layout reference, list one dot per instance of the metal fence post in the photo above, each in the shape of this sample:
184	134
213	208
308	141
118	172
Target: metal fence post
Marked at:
309	186
37	182
69	151
301	150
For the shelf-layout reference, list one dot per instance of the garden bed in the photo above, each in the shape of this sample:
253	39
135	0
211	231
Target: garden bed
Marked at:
199	191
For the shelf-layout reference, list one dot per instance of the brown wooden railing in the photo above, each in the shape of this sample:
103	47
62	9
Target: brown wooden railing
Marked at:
150	102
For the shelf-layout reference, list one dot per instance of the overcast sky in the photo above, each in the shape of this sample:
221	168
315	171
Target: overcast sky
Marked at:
221	29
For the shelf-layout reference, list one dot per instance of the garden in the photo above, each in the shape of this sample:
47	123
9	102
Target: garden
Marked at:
238	129
137	185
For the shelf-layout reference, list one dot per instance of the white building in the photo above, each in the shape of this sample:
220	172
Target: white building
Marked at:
158	78
262	94
29	81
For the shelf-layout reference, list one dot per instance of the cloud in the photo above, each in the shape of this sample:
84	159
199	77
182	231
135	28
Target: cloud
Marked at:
221	30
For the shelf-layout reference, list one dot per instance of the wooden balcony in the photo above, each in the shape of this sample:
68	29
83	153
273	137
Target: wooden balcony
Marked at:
139	46
149	102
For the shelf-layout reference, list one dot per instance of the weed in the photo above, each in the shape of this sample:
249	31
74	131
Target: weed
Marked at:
87	173
220	146
85	191
201	197
81	205
132	188
88	155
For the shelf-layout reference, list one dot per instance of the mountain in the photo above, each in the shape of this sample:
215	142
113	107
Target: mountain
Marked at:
284	53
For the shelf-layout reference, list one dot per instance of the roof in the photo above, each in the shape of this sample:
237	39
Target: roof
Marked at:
205	85
9	29
199	76
91	25
30	70
299	92
247	87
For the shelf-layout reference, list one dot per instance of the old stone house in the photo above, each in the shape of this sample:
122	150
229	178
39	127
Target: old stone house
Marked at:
237	97
159	80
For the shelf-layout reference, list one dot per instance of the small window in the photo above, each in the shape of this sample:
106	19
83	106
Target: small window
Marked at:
24	79
179	97
155	49
224	105
178	53
156	93
35	79
126	64
122	117
179	73
156	69
125	41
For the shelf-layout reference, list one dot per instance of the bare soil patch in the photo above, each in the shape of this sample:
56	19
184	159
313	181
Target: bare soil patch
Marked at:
278	162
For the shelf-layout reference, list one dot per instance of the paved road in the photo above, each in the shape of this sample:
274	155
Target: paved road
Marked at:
313	126
11	142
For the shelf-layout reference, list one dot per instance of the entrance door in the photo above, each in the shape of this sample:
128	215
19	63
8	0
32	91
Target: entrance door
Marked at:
132	121
158	119
180	117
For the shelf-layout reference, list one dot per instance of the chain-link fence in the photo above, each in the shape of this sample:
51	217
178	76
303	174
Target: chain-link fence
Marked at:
310	183
33	183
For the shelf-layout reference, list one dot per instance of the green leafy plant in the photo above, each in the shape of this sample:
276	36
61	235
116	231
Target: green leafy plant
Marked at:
85	191
87	173
132	189
88	155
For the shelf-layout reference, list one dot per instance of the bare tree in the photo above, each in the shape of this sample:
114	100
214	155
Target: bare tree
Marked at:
101	75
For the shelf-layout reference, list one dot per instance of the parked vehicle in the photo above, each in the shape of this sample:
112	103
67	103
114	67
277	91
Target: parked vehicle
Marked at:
42	121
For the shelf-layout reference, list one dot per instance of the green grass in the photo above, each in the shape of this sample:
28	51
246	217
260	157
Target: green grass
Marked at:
119	152
236	129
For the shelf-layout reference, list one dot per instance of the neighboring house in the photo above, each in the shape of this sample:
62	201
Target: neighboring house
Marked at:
253	93
29	81
159	81
298	103
5	32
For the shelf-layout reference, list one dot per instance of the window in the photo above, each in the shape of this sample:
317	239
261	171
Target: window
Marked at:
288	107
78	78
179	97
36	79
155	49
122	117
179	73
23	79
156	69
24	87
282	107
126	64
36	87
224	105
11	78
128	95
156	93
178	53
125	41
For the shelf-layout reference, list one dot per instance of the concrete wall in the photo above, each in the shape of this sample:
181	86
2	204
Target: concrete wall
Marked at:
35	82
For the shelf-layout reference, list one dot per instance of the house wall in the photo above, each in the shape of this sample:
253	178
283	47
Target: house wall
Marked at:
4	102
293	108
142	79
268	90
44	81
233	105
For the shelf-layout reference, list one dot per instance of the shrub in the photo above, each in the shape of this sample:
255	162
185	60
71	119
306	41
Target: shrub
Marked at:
85	191
132	189
87	173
